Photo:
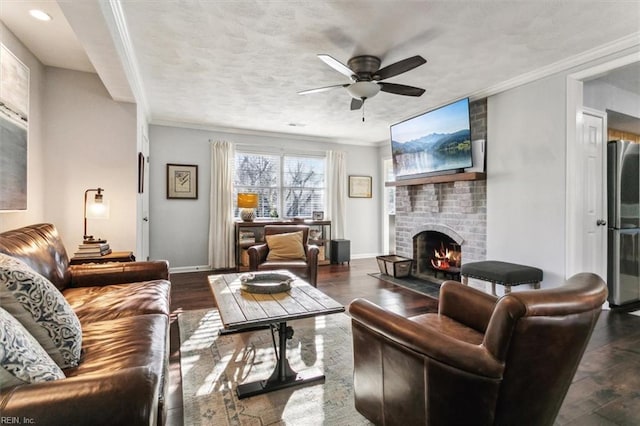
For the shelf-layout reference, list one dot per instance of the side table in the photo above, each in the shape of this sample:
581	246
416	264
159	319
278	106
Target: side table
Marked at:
115	256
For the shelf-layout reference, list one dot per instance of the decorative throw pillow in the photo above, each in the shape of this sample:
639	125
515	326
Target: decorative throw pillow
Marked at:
285	246
40	307
22	359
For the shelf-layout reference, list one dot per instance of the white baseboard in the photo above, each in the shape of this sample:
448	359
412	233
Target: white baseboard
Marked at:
184	269
365	256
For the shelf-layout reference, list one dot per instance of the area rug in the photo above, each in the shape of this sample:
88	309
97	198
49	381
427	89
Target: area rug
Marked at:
213	365
424	287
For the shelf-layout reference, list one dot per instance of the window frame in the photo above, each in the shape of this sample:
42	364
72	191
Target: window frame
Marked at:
280	188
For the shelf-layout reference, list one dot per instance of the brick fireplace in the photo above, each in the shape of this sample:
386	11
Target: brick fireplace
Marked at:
456	210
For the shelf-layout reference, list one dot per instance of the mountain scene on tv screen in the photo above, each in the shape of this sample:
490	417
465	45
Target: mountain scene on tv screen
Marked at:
432	153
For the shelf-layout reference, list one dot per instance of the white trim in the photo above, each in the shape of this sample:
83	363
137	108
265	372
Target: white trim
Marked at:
574	111
599	70
185	269
249	132
270	150
630	41
599	52
365	255
117	23
572	176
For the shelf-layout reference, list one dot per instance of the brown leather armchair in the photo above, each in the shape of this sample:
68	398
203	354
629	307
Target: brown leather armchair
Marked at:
306	268
480	360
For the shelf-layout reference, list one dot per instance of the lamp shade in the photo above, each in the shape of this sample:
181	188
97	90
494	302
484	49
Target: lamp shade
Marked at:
363	89
98	210
247	200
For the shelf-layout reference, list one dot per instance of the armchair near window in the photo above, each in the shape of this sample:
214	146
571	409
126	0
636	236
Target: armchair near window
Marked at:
480	360
286	249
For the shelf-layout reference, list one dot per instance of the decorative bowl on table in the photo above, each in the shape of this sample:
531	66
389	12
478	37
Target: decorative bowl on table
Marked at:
265	282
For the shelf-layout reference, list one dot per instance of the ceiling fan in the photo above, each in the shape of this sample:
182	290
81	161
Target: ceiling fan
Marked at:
366	77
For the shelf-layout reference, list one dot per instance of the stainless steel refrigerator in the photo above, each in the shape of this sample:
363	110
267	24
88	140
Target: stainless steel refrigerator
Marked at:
623	197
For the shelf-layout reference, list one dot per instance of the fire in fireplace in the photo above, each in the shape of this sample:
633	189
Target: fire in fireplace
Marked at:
435	252
445	258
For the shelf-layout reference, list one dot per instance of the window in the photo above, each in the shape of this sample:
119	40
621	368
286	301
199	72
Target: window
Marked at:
287	185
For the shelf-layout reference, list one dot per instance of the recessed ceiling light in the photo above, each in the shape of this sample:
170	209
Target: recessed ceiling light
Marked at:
40	15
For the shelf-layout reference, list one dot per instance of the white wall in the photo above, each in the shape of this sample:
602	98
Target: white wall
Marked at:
35	212
526	165
90	143
179	229
602	96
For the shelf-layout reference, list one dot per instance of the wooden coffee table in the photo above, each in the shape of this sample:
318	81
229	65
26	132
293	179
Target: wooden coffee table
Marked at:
243	311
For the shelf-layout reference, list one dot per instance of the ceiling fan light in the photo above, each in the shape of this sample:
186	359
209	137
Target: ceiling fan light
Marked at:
363	89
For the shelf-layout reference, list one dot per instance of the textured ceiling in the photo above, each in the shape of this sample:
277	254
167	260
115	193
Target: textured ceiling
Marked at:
238	64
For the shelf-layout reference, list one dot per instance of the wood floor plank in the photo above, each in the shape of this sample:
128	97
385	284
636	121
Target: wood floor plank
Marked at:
605	390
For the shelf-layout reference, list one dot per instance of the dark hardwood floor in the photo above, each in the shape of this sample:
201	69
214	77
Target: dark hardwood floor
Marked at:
605	391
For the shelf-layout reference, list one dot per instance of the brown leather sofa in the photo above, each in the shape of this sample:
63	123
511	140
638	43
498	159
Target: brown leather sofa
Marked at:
307	268
124	310
479	361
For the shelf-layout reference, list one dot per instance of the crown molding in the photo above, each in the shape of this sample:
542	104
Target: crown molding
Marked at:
114	16
628	42
251	132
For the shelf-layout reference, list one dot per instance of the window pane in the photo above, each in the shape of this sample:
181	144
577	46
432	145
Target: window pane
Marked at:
299	194
303	172
257	170
302	202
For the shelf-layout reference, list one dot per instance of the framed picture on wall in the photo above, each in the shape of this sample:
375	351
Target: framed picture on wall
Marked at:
318	215
360	186
14	128
182	181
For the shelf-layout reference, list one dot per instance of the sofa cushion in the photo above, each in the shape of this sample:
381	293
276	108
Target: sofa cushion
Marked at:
22	359
287	246
123	343
109	302
41	309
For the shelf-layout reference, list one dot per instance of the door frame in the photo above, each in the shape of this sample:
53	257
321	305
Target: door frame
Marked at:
574	183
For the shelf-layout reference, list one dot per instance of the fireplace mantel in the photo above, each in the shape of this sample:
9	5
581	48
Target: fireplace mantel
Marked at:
454	177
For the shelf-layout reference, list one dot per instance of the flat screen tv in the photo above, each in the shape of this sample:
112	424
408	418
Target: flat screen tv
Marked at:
436	142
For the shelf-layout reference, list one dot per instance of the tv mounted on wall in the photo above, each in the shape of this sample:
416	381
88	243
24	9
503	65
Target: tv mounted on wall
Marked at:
436	142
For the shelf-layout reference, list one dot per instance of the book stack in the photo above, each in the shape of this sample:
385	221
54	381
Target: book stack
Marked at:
86	250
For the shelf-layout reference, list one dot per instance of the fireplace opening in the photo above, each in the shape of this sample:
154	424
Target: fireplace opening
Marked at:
435	253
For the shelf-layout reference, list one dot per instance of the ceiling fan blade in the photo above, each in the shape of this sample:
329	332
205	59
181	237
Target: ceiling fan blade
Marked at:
399	67
337	65
356	103
322	89
401	89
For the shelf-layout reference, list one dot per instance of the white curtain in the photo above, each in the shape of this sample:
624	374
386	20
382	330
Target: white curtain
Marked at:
221	223
336	193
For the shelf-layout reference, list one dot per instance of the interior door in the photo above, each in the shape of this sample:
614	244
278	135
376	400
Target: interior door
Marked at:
145	200
592	198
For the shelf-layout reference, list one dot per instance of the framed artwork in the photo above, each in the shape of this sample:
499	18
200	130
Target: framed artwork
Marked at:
318	215
14	127
360	186
140	173
182	181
